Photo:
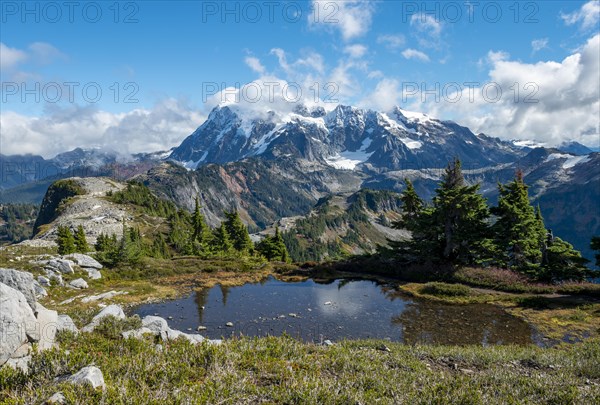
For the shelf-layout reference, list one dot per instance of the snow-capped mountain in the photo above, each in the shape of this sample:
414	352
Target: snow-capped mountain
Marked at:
344	138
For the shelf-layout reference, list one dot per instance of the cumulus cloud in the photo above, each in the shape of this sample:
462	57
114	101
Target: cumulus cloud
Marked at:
65	128
10	57
385	96
556	100
539	44
356	51
45	53
587	16
254	64
391	41
415	54
352	18
428	29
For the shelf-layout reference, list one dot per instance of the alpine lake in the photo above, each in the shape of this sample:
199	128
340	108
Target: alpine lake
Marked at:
332	310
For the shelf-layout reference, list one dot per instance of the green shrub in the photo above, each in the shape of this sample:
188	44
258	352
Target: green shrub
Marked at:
445	290
112	327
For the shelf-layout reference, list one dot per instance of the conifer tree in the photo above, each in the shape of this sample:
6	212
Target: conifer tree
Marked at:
65	240
563	263
460	218
81	244
201	232
273	247
222	241
519	231
595	245
238	232
412	205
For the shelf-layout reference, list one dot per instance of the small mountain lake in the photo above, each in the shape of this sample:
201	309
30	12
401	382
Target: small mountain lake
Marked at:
339	309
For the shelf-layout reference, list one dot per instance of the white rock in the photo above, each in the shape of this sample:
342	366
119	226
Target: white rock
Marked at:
63	266
84	260
88	376
93	274
79	283
44	281
39	290
47	322
229	324
111	310
65	322
22	363
17	322
20	281
155	323
103	296
52	275
137	333
57	398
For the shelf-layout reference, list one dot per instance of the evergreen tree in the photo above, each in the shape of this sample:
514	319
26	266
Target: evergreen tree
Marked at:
221	240
563	263
201	232
595	245
412	205
65	240
460	218
238	232
519	230
160	249
81	244
273	247
180	236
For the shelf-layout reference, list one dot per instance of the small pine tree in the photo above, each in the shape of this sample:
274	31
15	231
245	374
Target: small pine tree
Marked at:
65	240
563	263
201	232
519	231
238	232
221	240
273	247
595	245
81	244
412	205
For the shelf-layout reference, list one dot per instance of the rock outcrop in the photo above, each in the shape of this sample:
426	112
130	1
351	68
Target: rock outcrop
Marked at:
20	281
17	322
111	310
90	375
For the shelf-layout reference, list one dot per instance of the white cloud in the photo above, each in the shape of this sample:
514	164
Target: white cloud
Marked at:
392	41
557	101
588	15
415	54
428	30
254	64
352	18
10	57
45	53
426	23
61	129
539	44
385	96
356	51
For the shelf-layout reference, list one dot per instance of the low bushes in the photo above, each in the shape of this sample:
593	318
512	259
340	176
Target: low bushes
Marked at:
445	290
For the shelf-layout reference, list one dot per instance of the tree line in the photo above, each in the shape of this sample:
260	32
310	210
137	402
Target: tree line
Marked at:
188	235
458	227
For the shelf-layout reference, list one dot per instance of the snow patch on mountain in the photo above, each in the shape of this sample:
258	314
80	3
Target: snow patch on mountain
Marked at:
570	160
348	160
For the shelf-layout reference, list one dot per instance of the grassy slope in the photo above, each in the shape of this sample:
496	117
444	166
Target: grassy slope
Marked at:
282	370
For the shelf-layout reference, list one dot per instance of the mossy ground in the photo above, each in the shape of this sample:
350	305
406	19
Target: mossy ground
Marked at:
555	316
283	370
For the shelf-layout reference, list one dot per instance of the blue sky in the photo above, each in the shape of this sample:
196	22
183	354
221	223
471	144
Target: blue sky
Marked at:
164	56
